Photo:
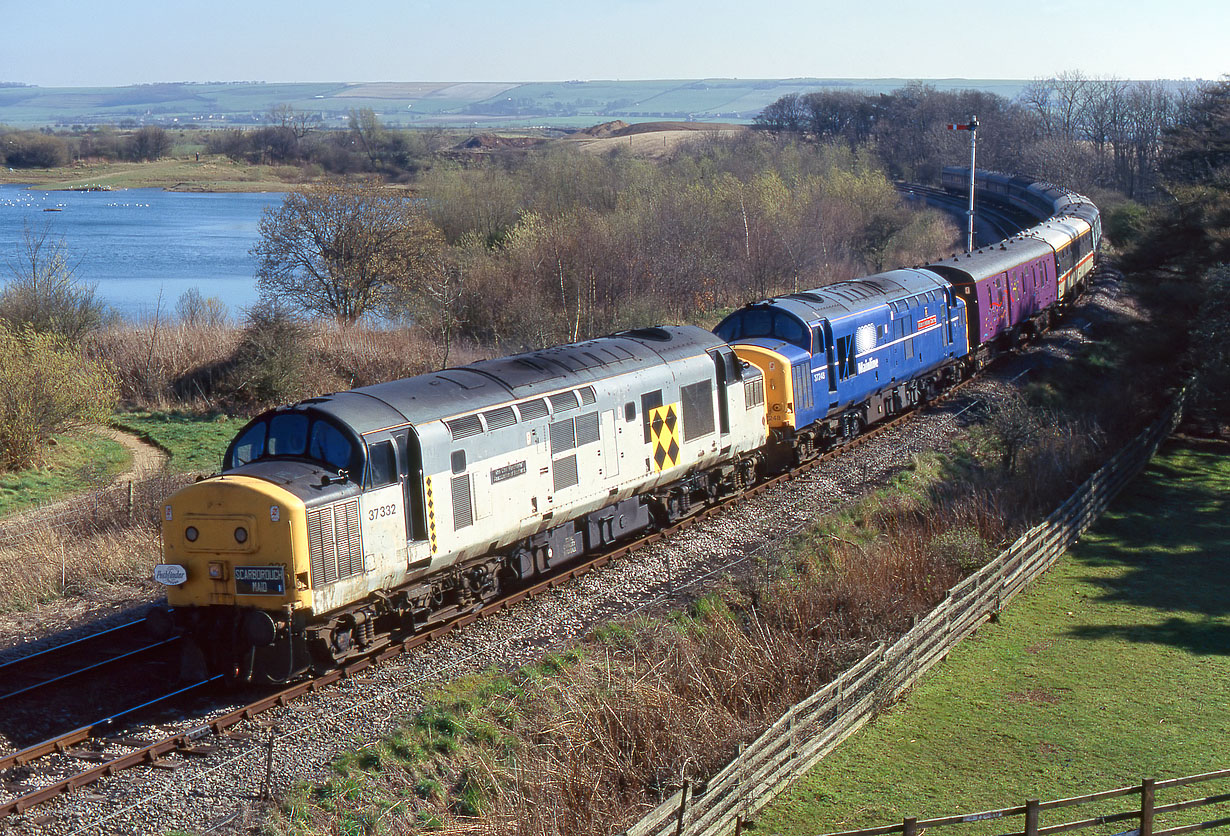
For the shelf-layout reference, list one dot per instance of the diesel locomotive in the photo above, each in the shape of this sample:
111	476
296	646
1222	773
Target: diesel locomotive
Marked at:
342	522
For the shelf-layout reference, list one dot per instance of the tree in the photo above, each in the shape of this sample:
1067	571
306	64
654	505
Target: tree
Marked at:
1198	145
298	122
200	311
149	143
338	250
45	387
44	294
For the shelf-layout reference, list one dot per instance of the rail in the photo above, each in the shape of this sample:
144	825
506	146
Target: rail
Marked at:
816	726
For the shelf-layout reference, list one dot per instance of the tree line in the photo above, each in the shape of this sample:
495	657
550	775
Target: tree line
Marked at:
1082	131
46	149
562	245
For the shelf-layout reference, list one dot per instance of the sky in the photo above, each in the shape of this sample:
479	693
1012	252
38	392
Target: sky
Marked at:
87	43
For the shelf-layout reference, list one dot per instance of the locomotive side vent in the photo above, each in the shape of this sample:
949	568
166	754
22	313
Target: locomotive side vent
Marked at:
335	543
463	507
587	428
565	472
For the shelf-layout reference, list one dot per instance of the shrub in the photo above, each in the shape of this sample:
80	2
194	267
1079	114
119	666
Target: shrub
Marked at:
28	149
44	294
45	387
271	362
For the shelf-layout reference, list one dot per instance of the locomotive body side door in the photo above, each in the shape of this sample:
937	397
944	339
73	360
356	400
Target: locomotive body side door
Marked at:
382	511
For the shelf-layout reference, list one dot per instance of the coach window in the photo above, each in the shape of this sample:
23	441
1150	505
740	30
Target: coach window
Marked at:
381	465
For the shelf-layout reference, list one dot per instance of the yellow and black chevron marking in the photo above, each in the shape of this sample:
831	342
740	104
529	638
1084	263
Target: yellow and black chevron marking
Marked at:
431	515
664	433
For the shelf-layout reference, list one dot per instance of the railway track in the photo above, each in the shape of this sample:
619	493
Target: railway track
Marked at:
23	676
104	755
997	222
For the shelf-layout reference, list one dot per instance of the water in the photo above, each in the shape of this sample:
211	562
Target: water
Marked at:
138	244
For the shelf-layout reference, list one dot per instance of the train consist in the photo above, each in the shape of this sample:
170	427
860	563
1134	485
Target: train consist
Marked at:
341	522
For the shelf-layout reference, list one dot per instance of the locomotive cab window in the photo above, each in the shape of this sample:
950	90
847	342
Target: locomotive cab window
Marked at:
327	444
294	435
381	465
248	447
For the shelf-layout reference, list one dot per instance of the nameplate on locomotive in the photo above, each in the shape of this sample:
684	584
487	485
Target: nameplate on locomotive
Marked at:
260	580
508	471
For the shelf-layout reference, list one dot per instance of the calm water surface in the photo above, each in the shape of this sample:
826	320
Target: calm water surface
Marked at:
136	244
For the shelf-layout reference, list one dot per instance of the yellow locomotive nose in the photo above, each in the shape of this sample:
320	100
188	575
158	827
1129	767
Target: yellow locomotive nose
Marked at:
235	541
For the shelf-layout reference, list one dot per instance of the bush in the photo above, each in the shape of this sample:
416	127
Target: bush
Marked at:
44	295
271	362
45	387
196	310
1125	222
28	149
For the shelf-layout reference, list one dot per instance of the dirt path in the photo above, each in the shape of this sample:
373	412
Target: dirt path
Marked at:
146	458
146	461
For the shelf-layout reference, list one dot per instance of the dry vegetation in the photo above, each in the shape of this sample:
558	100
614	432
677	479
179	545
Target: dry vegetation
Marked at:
85	545
172	365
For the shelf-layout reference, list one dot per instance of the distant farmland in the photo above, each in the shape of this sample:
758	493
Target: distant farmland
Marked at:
491	104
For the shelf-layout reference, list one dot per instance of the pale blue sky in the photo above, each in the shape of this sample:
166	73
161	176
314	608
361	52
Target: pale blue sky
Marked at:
61	43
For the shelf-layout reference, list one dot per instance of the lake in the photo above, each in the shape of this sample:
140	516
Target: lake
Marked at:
136	245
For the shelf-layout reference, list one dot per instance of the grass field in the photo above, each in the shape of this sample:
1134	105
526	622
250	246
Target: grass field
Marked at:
76	463
1113	668
194	442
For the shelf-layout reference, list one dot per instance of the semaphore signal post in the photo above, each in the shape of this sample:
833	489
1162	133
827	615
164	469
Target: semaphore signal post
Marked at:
972	127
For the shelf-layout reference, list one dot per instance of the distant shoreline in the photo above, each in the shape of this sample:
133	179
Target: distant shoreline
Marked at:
214	174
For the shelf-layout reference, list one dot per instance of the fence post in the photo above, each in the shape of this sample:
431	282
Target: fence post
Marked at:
911	826
1031	818
1146	807
130	503
683	807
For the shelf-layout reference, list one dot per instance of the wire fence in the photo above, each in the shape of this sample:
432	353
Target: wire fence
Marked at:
817	725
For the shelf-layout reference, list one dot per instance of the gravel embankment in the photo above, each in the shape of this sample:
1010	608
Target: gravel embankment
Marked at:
221	792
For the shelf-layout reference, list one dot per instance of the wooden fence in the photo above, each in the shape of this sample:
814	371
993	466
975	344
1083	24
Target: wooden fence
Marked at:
1145	813
814	727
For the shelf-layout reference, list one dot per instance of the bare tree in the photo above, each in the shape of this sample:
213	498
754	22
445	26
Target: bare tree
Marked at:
43	292
339	250
298	122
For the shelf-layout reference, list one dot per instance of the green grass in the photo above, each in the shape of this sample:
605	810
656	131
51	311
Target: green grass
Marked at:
1115	666
76	463
194	442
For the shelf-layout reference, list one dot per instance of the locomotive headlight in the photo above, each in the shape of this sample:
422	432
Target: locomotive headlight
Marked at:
217	571
241	535
190	534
